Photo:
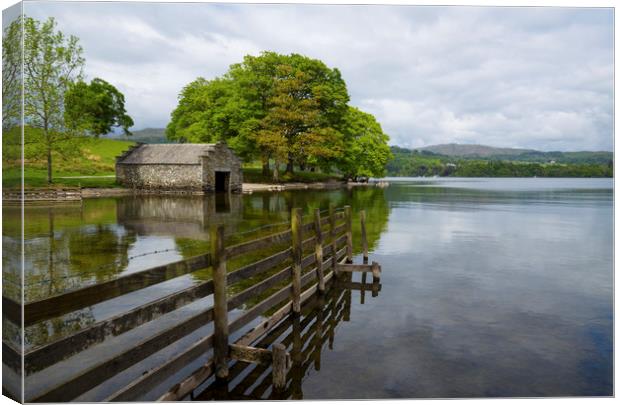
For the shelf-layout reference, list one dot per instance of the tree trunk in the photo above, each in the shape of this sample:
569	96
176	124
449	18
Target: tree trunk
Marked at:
49	164
289	166
302	167
265	166
276	172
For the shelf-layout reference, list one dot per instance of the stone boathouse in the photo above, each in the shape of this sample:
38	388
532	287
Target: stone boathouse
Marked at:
183	166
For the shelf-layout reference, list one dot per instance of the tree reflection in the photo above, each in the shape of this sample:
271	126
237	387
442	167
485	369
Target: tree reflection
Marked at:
69	255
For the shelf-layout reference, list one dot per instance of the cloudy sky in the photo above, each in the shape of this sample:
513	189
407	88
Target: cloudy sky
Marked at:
537	78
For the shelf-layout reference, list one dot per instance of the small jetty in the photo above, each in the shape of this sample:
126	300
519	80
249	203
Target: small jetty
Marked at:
306	277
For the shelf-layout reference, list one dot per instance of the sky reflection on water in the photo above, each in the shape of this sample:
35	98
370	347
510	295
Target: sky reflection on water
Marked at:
490	287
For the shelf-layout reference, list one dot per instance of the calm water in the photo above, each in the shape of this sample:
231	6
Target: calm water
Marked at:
490	287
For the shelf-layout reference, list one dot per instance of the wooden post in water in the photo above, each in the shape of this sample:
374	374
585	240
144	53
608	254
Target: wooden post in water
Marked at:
279	366
332	233
347	298
375	279
220	305
347	217
362	291
296	232
364	240
318	250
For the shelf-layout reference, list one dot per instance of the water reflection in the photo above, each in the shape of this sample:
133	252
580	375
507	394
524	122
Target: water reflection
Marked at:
496	287
305	337
71	246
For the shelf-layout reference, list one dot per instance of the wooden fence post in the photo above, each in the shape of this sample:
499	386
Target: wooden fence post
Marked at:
296	231
318	249
279	366
332	233
220	305
318	334
347	216
375	279
347	299
364	240
363	289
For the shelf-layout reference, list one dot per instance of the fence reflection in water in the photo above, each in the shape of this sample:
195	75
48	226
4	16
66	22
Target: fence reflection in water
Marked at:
304	336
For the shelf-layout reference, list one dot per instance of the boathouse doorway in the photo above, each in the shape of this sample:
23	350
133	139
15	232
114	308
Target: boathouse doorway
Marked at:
222	181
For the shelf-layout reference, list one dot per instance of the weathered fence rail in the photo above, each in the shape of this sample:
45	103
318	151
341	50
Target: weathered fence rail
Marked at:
286	280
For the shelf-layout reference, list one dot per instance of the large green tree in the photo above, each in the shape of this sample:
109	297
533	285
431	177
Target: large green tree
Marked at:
282	107
366	145
95	108
51	62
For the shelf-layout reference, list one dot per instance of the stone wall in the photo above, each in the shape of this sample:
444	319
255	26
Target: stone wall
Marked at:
222	159
153	176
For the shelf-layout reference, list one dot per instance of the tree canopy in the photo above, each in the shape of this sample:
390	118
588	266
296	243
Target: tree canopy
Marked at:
366	143
286	108
96	108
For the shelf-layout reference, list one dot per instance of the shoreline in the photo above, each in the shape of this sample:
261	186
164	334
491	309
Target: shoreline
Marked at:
247	188
66	194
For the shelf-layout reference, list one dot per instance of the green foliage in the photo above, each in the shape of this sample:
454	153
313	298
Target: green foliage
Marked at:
284	108
51	62
59	108
415	163
95	108
12	75
367	151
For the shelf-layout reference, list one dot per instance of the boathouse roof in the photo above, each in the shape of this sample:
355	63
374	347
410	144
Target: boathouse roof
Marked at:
176	153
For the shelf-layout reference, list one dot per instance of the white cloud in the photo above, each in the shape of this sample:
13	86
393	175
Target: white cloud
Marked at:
528	77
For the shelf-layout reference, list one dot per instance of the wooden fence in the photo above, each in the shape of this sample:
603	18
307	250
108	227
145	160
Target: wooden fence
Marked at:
296	277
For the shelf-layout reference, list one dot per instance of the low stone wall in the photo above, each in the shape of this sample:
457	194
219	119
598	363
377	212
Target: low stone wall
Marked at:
14	196
151	176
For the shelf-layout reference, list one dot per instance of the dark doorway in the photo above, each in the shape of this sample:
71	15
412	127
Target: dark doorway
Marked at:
222	181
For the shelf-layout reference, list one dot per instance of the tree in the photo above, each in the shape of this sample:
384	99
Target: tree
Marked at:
12	74
367	151
12	96
95	108
51	62
272	106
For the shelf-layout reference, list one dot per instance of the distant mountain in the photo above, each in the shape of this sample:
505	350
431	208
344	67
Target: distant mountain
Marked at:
146	135
482	151
149	135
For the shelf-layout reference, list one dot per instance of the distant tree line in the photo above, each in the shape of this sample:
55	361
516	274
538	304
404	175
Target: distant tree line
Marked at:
283	110
407	163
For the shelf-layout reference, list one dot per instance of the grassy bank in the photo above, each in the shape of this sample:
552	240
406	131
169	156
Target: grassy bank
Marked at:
92	166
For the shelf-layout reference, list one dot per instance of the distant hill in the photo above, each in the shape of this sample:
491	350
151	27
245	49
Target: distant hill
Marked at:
455	149
485	152
146	135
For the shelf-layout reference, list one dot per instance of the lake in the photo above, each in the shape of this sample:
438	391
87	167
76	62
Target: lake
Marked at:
490	287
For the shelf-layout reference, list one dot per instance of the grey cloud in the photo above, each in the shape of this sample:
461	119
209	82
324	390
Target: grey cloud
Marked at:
525	77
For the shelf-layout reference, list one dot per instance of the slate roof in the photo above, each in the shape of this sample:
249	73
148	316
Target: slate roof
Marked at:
177	153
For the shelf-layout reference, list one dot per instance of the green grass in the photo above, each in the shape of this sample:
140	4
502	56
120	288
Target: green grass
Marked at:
95	157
